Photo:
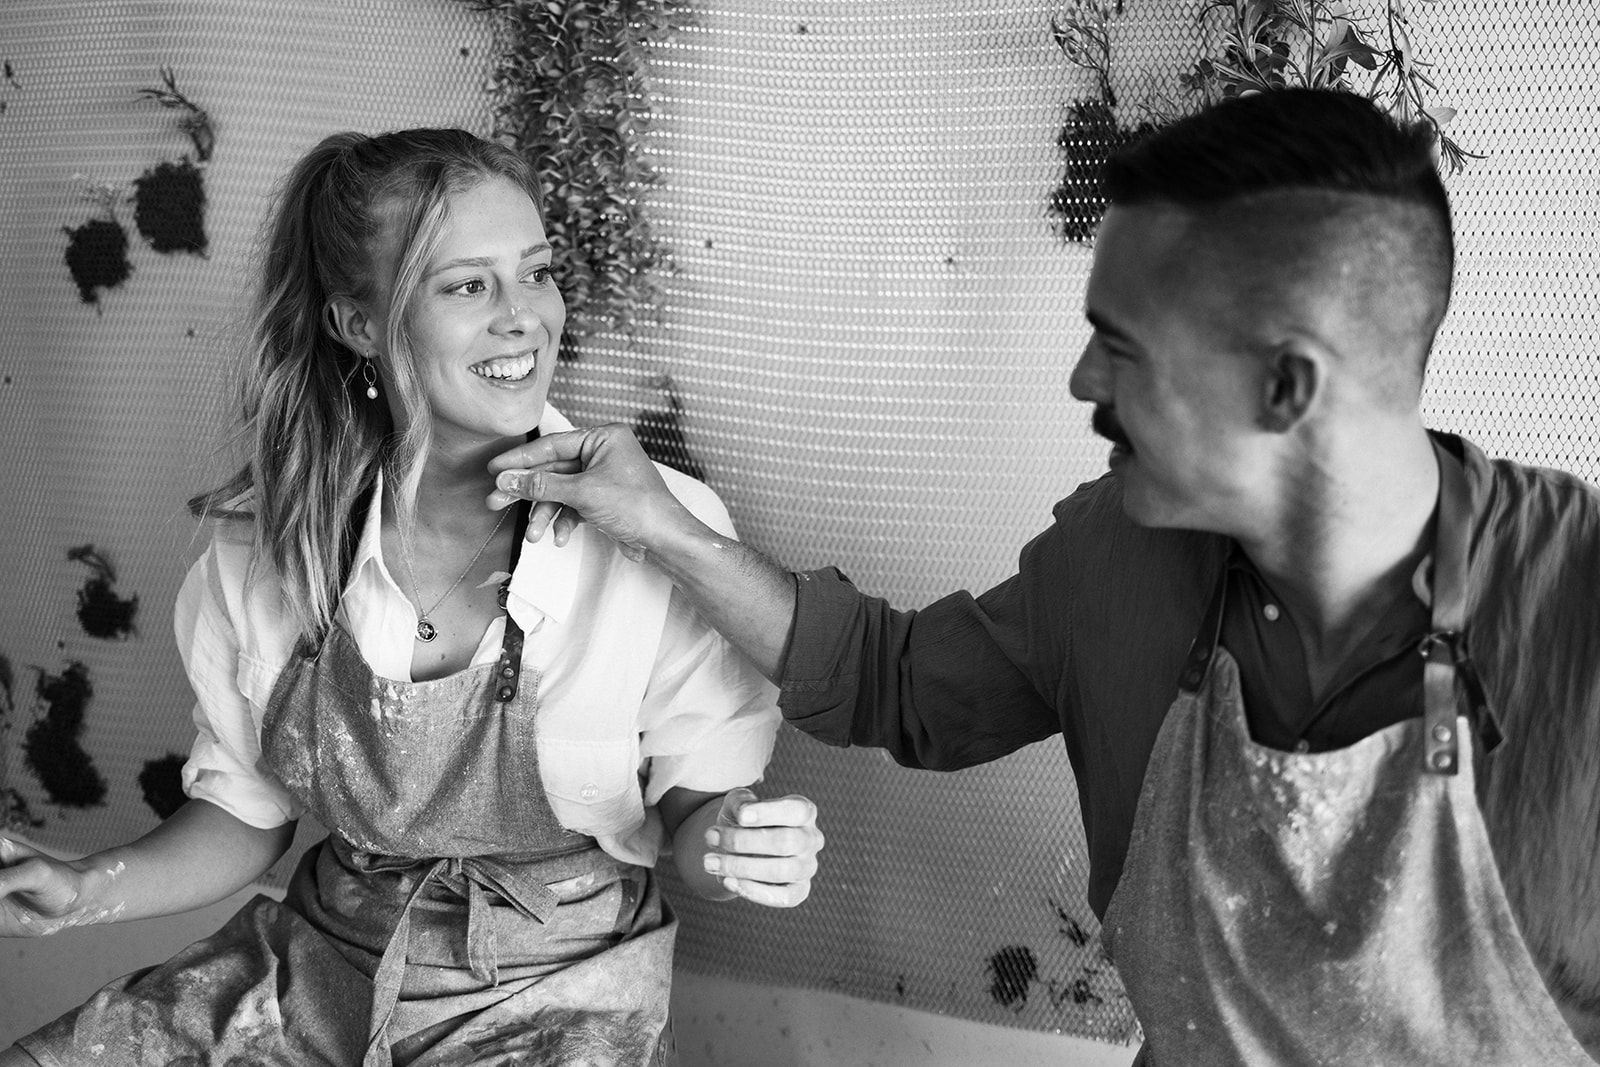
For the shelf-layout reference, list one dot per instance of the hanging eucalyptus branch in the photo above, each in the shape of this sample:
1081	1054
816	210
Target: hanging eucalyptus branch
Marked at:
571	93
1261	45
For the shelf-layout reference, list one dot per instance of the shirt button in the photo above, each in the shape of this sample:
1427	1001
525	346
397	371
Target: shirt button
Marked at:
1302	745
1271	612
505	692
508	671
589	792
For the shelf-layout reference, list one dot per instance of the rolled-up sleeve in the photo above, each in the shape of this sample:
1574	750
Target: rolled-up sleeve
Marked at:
961	682
224	765
708	720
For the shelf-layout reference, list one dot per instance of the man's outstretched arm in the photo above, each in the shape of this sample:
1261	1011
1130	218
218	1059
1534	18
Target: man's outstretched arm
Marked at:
603	475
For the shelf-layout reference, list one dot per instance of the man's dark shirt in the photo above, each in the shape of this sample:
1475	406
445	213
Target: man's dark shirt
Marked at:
1088	638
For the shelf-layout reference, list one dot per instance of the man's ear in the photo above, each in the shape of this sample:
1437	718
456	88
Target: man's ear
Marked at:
349	322
1290	386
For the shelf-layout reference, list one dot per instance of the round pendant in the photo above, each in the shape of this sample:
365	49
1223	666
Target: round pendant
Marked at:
426	631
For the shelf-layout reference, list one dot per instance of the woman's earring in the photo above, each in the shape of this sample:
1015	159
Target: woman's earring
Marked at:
370	375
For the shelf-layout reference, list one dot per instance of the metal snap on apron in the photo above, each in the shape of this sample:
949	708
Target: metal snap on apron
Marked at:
1329	908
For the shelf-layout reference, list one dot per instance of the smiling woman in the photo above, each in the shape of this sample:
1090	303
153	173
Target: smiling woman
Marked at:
501	742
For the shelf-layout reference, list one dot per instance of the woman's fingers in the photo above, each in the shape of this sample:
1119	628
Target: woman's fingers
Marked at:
766	850
12	851
772	896
797	842
37	893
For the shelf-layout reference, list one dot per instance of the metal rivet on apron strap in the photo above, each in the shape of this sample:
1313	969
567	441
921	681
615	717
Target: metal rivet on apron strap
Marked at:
510	666
1439	753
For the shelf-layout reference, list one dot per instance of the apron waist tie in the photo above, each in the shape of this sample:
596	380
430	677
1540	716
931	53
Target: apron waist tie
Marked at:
468	877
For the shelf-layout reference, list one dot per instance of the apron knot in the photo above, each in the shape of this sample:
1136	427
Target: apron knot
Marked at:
471	878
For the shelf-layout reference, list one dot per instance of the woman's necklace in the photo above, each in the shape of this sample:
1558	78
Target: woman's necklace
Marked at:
426	630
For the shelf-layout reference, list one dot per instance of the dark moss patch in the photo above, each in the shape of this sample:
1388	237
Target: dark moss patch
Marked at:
97	256
1089	137
51	749
1011	971
169	202
101	612
161	781
661	436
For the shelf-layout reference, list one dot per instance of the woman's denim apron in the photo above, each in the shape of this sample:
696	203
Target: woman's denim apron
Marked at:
447	919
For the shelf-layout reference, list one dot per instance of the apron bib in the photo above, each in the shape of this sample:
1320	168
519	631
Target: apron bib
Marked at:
1329	908
485	928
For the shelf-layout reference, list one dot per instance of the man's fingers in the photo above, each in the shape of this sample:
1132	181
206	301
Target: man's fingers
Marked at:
566	522
539	519
543	450
537	484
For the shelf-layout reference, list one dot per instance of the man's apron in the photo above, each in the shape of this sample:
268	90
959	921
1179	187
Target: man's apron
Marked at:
450	919
1337	907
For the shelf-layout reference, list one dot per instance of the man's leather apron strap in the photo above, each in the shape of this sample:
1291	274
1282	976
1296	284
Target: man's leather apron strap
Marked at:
1444	648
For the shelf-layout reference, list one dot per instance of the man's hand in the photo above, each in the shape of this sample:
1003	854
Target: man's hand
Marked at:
602	477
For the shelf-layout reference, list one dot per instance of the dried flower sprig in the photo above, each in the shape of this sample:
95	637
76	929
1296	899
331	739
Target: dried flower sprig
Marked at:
193	121
103	194
1260	45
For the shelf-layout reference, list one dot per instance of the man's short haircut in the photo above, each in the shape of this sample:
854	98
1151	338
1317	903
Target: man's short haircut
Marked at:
1312	139
1324	143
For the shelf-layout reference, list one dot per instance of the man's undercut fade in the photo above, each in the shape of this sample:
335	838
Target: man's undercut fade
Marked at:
1263	148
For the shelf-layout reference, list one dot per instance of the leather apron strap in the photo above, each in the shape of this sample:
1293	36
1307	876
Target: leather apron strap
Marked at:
1444	647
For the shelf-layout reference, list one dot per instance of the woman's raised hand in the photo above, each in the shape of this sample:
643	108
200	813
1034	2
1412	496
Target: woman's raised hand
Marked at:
765	850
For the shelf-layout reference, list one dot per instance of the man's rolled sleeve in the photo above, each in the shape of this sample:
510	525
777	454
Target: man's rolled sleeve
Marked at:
946	687
822	666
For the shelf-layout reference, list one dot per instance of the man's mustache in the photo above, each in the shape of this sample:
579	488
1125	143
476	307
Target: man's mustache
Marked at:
1104	422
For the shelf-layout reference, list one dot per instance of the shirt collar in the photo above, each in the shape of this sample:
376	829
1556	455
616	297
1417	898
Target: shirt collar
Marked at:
1421	578
369	548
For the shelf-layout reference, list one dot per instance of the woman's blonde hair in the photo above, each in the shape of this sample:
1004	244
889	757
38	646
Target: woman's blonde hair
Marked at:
314	442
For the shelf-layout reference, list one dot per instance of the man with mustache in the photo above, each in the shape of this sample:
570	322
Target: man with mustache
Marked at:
1328	679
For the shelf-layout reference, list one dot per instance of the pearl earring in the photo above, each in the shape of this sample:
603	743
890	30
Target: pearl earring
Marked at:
370	375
